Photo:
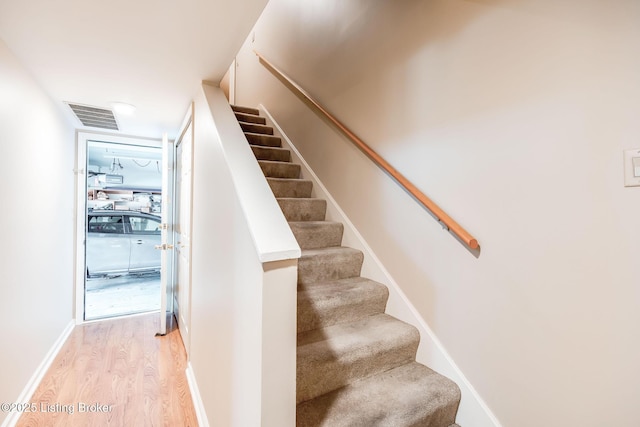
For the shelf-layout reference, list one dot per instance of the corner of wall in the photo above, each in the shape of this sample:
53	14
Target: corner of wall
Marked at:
38	375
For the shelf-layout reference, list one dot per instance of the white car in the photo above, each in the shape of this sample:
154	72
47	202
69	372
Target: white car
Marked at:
120	242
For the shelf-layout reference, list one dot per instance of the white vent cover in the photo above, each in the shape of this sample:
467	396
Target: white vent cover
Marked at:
94	116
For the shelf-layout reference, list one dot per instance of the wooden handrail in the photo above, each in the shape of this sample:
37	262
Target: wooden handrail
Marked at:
442	217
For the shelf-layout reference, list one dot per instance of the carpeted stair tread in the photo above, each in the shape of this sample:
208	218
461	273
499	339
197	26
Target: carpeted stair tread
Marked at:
255	128
251	118
245	110
273	169
303	209
323	304
332	357
410	395
290	187
355	365
271	153
264	140
324	264
317	234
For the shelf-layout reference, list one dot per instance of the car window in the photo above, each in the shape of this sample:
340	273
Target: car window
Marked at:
143	225
106	224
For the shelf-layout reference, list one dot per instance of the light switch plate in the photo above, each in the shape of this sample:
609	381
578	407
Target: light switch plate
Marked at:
631	170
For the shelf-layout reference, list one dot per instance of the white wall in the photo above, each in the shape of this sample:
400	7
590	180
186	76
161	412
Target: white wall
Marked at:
36	184
243	333
512	116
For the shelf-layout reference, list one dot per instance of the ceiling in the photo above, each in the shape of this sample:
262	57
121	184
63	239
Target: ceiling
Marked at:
149	53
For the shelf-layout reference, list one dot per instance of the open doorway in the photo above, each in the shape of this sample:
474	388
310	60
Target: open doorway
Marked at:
122	228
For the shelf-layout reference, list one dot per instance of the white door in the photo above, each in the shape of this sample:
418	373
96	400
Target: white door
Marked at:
182	231
166	235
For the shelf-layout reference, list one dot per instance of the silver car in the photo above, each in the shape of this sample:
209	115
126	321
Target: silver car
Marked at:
121	242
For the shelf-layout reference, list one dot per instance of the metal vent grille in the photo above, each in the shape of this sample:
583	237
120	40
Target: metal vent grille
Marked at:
94	116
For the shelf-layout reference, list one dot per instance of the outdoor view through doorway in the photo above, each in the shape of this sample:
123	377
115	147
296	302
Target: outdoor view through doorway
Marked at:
122	229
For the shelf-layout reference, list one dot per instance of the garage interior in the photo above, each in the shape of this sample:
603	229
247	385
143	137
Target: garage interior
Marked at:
122	179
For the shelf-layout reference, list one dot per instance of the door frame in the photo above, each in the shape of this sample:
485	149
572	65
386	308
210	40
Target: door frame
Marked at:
82	139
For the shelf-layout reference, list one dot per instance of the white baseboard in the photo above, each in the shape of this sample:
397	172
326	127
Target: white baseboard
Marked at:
473	411
201	414
36	378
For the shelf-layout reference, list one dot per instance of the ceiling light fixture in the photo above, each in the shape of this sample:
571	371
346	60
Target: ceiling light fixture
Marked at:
123	108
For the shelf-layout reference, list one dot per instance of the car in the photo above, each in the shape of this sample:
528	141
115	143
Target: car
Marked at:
121	242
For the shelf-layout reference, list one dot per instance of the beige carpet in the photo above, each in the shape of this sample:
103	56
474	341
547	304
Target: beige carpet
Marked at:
355	365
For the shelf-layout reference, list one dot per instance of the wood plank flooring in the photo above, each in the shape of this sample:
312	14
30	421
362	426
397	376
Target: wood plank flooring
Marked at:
116	373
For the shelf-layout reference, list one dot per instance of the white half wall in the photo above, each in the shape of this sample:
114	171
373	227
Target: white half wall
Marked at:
513	116
244	274
37	187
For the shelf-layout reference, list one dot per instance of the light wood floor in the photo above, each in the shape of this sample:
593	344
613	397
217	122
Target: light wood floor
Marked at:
119	363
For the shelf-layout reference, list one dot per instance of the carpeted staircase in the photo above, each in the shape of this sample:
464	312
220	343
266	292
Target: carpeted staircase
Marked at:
355	364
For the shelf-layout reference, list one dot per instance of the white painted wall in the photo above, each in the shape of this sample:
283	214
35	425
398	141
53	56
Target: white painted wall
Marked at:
228	83
512	116
36	184
431	352
244	274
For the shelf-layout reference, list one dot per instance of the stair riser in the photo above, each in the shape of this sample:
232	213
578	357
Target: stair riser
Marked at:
250	127
263	140
290	188
273	154
325	267
250	118
355	365
280	169
326	371
303	209
317	235
316	311
245	110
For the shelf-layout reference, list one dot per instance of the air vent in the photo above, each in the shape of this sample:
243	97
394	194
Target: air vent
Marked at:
94	117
